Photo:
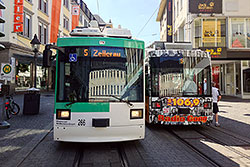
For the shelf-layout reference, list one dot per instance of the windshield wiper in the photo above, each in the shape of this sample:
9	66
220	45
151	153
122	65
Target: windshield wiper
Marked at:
73	102
120	99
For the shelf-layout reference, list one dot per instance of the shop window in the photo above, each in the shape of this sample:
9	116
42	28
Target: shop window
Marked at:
238	39
210	33
248	32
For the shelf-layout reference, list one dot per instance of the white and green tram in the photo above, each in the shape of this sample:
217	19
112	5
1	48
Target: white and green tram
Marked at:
99	94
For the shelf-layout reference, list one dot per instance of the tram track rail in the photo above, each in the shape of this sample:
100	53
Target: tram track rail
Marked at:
194	149
225	144
114	151
238	137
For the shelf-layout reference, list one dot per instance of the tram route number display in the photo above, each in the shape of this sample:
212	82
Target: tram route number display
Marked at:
183	102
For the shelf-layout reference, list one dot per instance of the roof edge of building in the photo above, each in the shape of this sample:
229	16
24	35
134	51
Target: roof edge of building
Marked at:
161	9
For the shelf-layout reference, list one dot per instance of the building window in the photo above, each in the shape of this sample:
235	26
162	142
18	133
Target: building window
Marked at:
240	33
66	23
177	10
27	25
43	33
85	23
43	6
66	3
80	17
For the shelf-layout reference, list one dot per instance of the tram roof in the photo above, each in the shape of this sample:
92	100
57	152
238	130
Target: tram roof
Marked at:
100	41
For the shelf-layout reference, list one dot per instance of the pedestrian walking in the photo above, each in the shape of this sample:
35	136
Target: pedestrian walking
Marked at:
216	98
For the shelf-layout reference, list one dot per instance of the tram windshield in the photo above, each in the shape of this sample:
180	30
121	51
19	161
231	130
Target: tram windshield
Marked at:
100	74
180	76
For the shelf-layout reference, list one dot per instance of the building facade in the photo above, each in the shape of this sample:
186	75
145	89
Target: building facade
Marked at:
24	19
221	27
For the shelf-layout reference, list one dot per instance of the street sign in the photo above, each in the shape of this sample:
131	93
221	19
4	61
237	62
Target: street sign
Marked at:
6	72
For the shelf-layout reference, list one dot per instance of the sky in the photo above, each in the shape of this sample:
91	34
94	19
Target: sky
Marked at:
130	14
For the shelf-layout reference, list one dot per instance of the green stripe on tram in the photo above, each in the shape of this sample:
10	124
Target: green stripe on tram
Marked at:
84	107
95	41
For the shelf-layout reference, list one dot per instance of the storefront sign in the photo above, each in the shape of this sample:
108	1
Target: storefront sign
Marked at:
205	6
18	16
211	31
216	52
169	21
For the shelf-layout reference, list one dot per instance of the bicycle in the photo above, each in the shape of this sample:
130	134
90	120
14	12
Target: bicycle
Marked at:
11	107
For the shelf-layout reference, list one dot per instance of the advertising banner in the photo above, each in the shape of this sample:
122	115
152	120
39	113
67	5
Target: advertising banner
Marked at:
55	14
18	16
205	6
169	21
75	16
211	31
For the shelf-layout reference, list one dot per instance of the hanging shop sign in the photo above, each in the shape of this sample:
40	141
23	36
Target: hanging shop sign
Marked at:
169	21
205	6
211	31
18	16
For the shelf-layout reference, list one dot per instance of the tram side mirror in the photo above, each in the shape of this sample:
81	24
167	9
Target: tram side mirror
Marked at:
47	56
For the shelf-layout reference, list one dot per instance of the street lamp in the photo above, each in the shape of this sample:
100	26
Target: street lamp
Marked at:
35	44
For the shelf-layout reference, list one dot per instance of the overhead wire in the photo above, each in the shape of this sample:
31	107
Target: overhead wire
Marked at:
147	22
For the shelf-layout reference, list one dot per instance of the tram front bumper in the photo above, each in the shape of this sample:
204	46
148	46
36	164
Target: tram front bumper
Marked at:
104	134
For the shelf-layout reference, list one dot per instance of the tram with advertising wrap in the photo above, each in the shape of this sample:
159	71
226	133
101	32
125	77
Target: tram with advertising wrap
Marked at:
178	85
99	94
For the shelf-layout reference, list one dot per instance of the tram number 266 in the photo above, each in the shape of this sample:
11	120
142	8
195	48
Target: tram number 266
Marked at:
81	122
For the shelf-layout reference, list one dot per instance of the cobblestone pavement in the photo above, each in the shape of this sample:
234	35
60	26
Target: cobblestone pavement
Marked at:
24	128
234	115
30	142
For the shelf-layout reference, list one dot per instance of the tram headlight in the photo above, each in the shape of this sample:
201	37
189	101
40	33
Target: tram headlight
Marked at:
136	114
63	114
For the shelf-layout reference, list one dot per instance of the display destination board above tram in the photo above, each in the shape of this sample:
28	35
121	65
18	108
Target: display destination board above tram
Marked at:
179	86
